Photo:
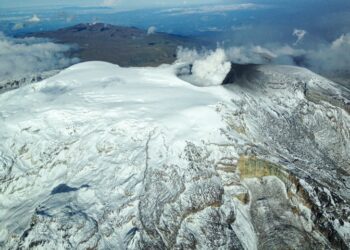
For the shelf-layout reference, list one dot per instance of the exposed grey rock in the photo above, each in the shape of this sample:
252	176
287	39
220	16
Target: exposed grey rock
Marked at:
273	175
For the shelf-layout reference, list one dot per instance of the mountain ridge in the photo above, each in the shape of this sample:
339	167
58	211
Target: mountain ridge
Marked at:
125	46
102	156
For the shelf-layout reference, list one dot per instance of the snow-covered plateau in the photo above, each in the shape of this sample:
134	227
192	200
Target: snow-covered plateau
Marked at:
104	157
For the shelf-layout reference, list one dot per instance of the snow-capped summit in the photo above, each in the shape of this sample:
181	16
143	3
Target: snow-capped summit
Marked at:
104	157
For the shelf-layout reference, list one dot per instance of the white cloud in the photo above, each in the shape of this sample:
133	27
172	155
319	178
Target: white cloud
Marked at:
240	27
34	19
18	26
330	59
23	57
208	68
211	29
210	9
69	19
300	34
109	3
151	30
342	41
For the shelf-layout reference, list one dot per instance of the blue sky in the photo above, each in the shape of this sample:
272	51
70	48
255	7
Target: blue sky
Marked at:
139	4
123	4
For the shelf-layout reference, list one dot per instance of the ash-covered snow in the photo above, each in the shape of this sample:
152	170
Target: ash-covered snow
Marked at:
104	157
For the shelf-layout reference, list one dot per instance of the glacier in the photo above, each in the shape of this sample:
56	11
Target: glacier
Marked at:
104	157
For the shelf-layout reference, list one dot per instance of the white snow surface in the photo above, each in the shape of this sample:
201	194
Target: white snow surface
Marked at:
89	128
99	156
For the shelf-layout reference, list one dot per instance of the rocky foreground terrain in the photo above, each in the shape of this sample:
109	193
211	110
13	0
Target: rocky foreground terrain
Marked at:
104	157
10	84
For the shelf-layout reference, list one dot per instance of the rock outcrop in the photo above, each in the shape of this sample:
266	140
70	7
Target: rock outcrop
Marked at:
102	157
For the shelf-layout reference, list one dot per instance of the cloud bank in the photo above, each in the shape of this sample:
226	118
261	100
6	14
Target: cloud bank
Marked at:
109	3
325	59
328	59
210	9
22	57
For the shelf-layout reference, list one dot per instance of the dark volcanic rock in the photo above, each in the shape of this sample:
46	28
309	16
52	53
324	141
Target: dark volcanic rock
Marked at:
125	46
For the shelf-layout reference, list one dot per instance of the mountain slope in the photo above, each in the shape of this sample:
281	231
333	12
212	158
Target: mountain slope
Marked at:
125	46
7	85
106	157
